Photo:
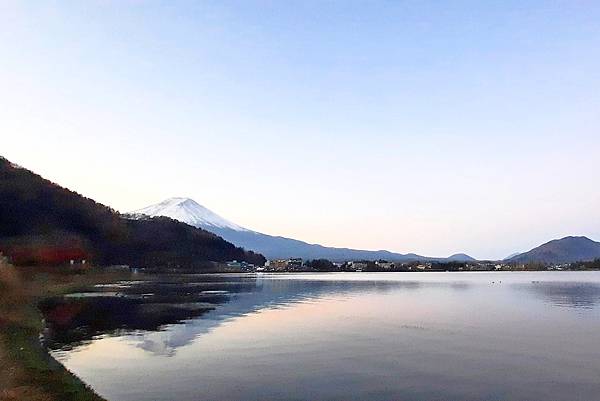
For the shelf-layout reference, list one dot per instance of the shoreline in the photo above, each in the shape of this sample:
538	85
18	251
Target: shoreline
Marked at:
29	371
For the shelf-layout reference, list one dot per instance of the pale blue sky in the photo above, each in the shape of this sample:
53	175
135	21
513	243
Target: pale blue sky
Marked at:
428	127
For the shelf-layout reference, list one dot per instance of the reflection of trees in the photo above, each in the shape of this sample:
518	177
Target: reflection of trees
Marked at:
74	322
115	309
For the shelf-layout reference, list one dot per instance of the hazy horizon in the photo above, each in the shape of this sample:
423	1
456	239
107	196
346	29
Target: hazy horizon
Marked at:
433	129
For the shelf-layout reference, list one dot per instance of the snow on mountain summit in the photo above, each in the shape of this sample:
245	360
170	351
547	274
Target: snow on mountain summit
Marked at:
188	211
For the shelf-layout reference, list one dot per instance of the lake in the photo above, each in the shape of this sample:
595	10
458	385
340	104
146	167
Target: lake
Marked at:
335	336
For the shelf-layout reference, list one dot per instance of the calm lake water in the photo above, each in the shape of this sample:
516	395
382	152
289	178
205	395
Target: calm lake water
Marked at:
339	336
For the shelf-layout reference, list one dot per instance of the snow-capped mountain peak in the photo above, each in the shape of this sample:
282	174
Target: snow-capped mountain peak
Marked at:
188	211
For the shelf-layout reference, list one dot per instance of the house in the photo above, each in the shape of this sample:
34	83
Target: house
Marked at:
278	264
358	266
385	264
285	264
294	263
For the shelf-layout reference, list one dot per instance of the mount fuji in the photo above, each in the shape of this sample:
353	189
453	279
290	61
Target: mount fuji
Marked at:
190	212
272	247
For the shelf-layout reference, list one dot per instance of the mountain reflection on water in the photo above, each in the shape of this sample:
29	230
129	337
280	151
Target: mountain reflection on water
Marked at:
379	336
162	312
170	311
268	293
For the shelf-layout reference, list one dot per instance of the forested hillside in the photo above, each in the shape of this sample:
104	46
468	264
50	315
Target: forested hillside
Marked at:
43	223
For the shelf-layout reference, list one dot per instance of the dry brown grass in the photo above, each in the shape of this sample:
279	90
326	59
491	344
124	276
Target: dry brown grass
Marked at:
12	297
12	294
25	372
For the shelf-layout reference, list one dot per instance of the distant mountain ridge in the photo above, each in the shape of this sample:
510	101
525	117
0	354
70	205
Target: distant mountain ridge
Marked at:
460	257
273	247
564	250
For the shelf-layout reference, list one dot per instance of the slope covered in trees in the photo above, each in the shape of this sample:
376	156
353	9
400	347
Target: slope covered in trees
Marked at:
43	223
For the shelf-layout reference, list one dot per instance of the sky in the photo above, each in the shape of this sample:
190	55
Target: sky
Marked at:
426	127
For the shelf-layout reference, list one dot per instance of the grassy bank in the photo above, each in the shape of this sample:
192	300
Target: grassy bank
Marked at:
28	371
